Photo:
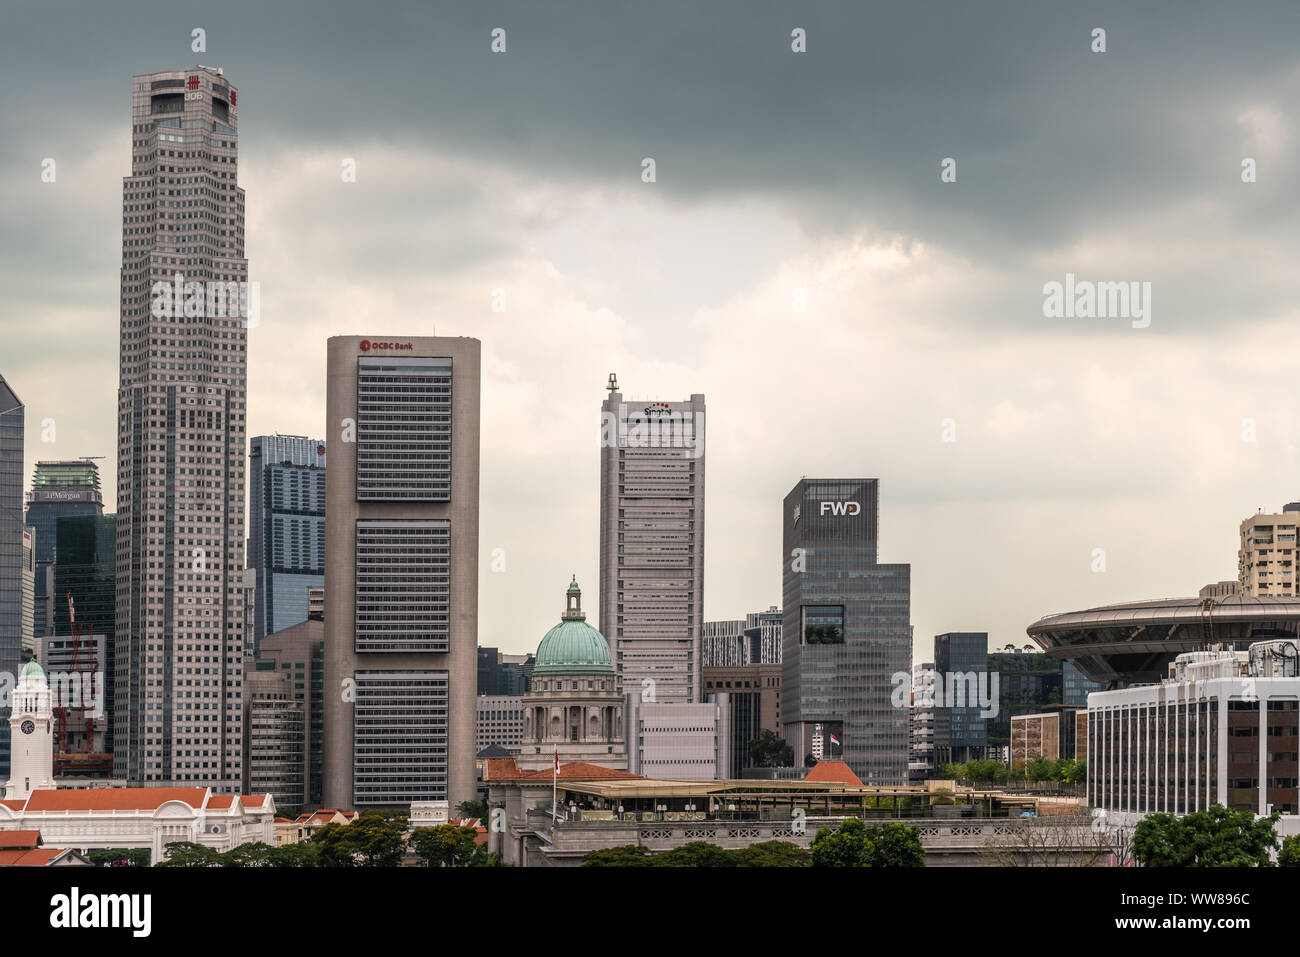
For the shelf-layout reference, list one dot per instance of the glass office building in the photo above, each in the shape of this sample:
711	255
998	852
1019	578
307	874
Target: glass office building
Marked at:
286	532
961	665
846	631
59	489
12	532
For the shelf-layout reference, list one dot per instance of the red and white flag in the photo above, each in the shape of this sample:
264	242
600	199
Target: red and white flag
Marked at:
835	741
557	759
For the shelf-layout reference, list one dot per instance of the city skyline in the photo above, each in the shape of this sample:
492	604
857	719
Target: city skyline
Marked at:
685	285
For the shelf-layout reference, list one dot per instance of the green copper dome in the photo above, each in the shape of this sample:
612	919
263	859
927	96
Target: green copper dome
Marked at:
34	669
573	646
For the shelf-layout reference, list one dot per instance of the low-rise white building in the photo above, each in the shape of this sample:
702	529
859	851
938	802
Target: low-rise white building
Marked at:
89	818
1223	728
685	741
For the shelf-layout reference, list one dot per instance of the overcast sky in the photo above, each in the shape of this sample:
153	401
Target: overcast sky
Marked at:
779	175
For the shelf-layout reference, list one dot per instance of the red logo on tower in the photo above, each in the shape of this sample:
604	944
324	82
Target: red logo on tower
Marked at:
233	100
193	82
365	345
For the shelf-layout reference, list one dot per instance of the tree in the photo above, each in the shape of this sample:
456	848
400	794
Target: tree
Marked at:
897	845
120	857
627	855
1217	837
450	845
772	854
253	854
694	854
769	750
1289	856
472	809
845	846
189	854
1041	769
372	840
300	854
1064	840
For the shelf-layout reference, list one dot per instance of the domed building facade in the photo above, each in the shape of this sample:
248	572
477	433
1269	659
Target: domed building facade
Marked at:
574	705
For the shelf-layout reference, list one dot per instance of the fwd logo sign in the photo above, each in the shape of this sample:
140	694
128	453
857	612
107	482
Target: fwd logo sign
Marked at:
841	508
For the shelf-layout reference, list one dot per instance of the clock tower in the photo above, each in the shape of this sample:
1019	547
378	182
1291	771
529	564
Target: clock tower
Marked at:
31	726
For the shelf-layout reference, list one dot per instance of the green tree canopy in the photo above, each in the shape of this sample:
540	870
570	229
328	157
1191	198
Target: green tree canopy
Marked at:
769	750
373	840
451	845
1217	837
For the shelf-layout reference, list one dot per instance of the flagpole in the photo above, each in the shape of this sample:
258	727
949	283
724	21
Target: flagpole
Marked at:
555	786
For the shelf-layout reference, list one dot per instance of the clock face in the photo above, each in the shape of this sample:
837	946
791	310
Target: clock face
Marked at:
27	727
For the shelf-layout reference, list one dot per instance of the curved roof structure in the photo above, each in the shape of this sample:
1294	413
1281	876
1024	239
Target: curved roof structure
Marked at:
573	646
1133	642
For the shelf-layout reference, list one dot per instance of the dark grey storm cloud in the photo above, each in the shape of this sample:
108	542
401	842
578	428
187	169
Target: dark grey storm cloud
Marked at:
1049	137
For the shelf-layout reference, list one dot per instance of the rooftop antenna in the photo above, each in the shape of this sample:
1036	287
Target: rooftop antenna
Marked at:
613	383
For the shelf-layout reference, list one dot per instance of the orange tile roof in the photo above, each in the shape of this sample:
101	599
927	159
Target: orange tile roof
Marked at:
579	771
832	772
113	799
500	769
14	804
9	840
253	800
33	857
220	801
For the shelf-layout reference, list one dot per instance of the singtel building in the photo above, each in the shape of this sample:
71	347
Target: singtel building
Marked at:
401	586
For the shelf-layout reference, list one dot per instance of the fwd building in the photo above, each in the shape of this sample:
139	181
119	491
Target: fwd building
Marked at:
401	586
846	632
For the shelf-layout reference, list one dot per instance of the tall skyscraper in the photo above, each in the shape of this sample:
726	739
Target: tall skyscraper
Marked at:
652	543
13	531
846	633
59	489
286	527
179	638
401	589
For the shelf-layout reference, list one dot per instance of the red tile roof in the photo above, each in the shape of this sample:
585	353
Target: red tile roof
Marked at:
34	857
500	769
13	804
113	799
832	772
15	839
219	802
579	771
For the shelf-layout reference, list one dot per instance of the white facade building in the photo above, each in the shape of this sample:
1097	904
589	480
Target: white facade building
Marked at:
1224	728
679	741
90	818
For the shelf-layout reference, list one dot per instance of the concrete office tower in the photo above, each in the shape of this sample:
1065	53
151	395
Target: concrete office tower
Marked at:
12	534
1266	559
179	640
59	490
401	588
652	543
286	527
846	633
